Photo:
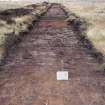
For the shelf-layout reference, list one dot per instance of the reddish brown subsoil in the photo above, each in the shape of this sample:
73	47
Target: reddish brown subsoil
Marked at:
29	75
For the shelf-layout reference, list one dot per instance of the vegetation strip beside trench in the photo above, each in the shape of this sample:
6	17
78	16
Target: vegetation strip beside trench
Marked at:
80	27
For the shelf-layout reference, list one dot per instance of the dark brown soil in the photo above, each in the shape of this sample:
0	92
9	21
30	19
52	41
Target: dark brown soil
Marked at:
29	75
15	12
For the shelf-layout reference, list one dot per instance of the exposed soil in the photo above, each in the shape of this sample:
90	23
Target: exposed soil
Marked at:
15	12
29	74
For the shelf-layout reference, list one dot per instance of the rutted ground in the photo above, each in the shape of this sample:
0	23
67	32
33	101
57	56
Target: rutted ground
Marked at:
29	75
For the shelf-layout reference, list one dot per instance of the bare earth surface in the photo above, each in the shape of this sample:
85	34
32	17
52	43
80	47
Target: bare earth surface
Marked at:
29	75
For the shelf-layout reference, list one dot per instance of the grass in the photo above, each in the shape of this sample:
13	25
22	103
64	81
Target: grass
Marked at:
94	14
4	5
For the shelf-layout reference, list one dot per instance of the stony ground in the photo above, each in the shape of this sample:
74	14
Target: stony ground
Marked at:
29	75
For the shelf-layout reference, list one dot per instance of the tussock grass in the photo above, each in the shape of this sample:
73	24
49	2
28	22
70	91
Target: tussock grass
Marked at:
94	14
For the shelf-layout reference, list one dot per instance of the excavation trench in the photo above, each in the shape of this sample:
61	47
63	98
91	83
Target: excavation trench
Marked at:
29	74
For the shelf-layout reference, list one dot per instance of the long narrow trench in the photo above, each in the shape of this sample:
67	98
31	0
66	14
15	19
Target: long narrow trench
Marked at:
29	75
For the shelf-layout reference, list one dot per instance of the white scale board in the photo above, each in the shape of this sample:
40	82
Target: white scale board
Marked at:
62	75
